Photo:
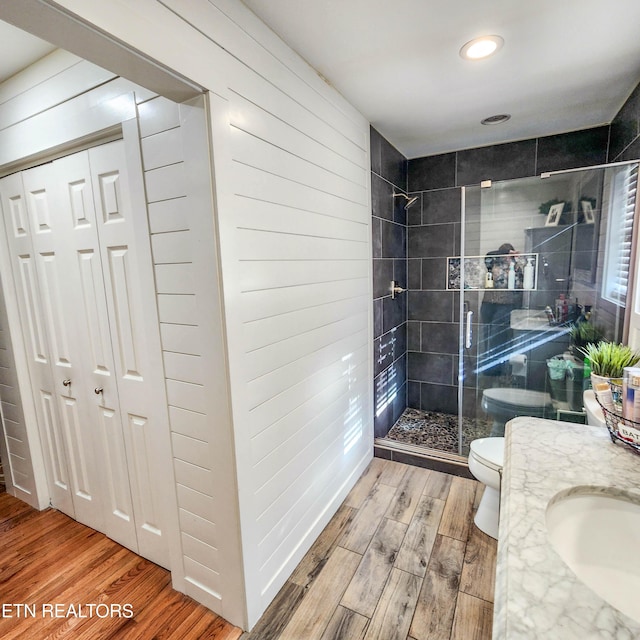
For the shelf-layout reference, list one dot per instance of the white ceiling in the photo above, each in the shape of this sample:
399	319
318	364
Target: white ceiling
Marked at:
565	65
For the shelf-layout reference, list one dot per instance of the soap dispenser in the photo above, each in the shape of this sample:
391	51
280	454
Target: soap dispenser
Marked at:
527	276
511	278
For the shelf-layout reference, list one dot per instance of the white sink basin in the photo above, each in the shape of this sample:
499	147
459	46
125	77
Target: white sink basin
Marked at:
532	320
596	531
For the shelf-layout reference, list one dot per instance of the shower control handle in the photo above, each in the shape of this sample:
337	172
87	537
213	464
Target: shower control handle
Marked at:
468	331
395	289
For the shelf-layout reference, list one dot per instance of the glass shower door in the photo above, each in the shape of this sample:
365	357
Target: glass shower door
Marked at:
539	256
507	334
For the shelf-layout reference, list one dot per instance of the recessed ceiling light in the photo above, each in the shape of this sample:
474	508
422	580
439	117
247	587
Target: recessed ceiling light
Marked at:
497	119
483	47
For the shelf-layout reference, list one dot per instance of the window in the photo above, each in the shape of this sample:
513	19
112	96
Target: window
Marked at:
619	235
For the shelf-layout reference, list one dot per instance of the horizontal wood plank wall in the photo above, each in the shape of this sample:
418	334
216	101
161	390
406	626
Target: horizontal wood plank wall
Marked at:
177	176
293	209
16	456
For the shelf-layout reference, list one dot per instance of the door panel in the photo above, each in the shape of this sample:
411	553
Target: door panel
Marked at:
78	444
54	451
131	305
80	203
55	312
139	428
120	507
58	283
94	351
17	211
92	292
29	289
125	325
19	223
38	206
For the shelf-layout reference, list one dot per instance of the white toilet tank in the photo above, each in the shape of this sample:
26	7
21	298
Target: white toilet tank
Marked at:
595	417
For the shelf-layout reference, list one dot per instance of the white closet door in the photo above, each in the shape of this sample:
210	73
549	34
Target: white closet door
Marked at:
130	295
59	283
18	228
82	258
87	313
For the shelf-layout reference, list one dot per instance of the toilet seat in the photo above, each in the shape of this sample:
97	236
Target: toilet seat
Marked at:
511	399
489	452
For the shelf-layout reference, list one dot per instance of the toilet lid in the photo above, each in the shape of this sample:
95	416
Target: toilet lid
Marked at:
518	397
489	451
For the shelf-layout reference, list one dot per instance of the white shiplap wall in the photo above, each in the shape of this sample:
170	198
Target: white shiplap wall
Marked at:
292	175
291	170
181	223
14	447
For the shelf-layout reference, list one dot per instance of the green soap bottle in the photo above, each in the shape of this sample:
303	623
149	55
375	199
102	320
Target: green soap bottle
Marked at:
586	384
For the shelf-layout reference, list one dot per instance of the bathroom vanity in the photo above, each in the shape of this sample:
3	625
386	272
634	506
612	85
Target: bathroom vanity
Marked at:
537	594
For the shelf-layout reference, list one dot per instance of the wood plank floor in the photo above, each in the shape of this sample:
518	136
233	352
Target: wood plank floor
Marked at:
400	560
47	559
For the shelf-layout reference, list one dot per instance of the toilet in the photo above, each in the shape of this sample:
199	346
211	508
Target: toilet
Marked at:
504	404
486	458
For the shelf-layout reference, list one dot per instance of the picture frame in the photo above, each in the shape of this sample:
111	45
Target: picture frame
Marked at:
587	210
554	215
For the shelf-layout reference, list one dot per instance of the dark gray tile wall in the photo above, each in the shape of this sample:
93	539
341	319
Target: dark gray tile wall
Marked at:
433	233
625	130
389	237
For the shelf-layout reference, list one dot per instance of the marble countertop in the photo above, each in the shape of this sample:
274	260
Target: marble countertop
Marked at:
537	595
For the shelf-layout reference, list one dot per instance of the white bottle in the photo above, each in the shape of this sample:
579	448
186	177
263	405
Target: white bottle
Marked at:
511	278
527	277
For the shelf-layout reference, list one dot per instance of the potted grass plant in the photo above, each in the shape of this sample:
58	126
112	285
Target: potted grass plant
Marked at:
582	334
608	360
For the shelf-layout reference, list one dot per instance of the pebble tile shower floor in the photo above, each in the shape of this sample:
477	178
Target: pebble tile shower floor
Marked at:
437	430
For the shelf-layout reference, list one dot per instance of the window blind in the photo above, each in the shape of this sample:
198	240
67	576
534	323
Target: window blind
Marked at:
620	235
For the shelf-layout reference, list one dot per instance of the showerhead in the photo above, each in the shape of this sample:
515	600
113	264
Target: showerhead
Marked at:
410	200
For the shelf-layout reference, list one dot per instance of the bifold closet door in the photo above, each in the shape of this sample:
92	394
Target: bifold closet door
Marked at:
20	227
85	300
84	276
129	286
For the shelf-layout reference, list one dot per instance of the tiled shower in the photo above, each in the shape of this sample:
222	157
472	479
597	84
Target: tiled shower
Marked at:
416	334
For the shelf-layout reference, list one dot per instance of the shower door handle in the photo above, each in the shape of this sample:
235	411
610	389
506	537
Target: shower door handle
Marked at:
468	331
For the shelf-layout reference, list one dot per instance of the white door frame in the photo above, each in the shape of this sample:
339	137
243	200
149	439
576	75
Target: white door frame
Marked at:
58	26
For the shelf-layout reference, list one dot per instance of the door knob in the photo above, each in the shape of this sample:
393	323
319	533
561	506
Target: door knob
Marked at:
98	390
67	382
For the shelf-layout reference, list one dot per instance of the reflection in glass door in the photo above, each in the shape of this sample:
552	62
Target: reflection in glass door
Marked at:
544	266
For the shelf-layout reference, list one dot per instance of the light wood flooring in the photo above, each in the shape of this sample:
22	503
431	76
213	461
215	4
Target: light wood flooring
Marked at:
401	559
47	559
